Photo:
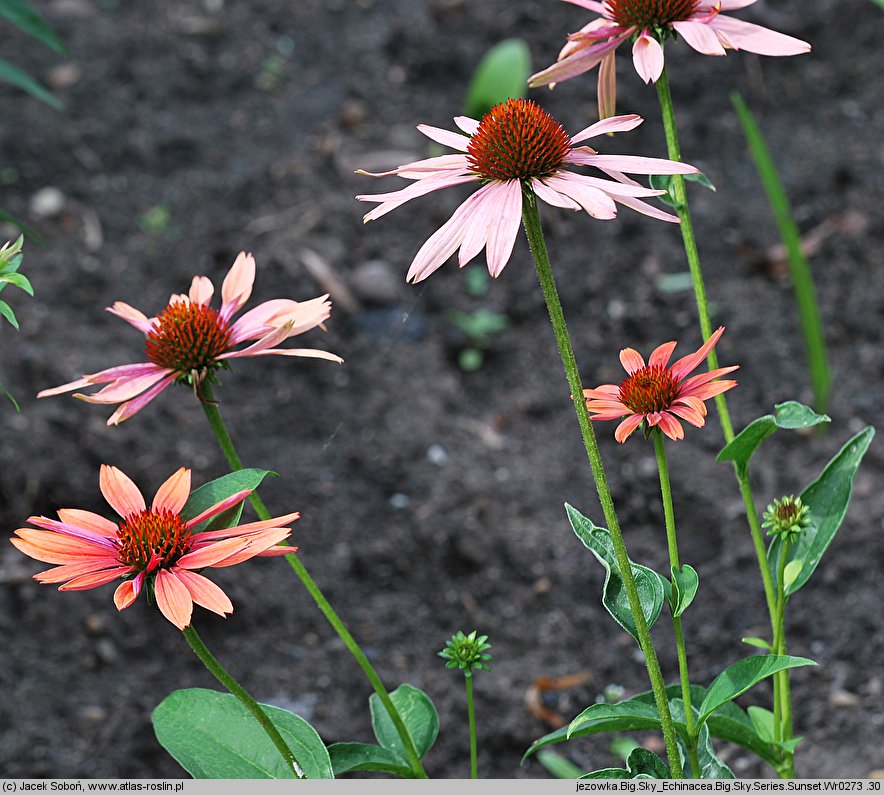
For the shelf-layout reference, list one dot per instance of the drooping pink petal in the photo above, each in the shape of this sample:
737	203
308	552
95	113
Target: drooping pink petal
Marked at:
126	593
700	36
607	86
576	64
671	426
631	360
51	547
632	164
614	124
594	201
255	546
124	388
301	315
465	123
70	571
647	57
603	392
131	408
204	592
646	209
201	290
237	286
742	35
445	137
446	239
625	428
173	494
173	598
70	387
690	362
422	169
688	385
390	201
689	414
614	189
502	234
131	316
120	492
212	554
306	353
711	390
218	507
553	197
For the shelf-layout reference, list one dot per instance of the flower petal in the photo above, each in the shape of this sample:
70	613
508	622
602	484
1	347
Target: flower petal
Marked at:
606	126
607	87
700	36
576	64
595	202
244	529
173	494
445	137
88	520
218	507
173	598
690	362
504	228
127	592
237	286
631	360
204	592
671	426
120	492
51	547
212	554
256	545
660	356
553	197
96	579
625	428
647	57
131	315
201	290
132	407
742	35
390	201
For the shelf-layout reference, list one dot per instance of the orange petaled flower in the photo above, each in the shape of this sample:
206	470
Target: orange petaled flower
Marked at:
658	392
189	340
152	546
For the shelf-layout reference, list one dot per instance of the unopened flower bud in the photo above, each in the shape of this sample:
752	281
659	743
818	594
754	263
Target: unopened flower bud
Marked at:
787	517
467	652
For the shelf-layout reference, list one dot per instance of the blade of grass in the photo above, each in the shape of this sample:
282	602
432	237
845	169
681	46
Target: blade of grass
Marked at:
802	280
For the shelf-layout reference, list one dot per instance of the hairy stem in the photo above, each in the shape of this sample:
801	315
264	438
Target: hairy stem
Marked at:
213	414
534	232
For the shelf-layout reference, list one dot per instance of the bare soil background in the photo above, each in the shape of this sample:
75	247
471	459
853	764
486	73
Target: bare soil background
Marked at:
431	498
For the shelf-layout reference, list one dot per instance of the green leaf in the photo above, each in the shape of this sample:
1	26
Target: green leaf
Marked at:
790	415
664	182
710	765
791	572
763	721
650	588
502	74
729	722
608	772
641	763
212	735
12	400
347	757
18	280
828	498
758	643
418	714
802	279
559	767
214	491
736	679
23	16
6	311
684	589
631	715
19	79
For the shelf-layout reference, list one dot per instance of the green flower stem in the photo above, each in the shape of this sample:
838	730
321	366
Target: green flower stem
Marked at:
782	707
471	711
537	243
690	245
672	544
690	242
213	414
219	672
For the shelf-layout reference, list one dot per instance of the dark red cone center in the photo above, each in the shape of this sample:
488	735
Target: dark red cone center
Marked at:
151	535
649	390
650	13
188	336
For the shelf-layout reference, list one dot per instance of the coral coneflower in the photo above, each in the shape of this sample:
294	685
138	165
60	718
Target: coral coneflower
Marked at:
517	145
154	547
648	23
659	393
189	339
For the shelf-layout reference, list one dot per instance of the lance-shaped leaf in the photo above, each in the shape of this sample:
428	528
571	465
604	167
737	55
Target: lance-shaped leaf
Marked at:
215	491
650	588
212	735
417	713
828	498
736	679
790	415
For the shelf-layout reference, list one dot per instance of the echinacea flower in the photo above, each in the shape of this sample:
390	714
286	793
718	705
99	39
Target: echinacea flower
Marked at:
517	146
189	339
659	393
152	546
647	24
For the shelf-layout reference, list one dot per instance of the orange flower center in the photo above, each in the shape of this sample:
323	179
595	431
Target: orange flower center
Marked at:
649	390
650	13
187	336
158	536
517	140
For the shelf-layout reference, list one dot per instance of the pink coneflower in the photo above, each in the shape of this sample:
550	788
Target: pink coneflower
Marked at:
647	23
189	339
517	146
151	546
658	392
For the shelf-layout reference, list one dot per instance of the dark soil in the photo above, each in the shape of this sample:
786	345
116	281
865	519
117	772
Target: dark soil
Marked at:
431	497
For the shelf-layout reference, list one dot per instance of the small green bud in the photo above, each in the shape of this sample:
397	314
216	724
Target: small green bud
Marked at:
787	518
467	652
